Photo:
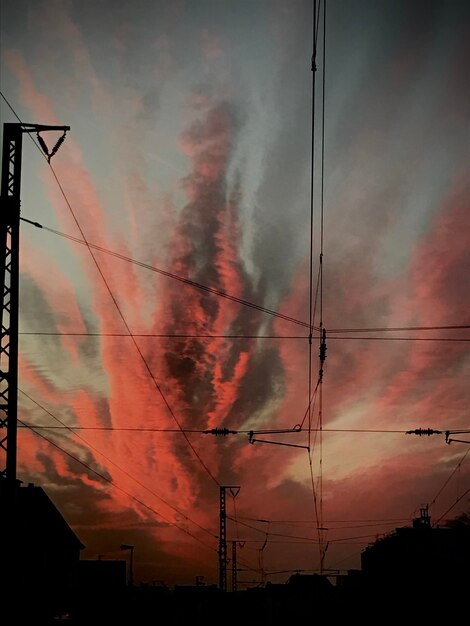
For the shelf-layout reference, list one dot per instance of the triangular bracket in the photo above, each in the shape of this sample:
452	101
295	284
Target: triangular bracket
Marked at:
42	143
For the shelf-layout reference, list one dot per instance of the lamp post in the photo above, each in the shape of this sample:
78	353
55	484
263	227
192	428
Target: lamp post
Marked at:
126	546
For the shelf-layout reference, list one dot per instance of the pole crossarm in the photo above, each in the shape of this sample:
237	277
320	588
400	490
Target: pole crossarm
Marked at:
38	128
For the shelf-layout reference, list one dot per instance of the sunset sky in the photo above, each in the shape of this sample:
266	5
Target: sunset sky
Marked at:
190	152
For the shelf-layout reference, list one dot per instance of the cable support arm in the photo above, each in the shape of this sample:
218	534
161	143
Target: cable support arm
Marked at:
280	431
38	128
252	440
449	440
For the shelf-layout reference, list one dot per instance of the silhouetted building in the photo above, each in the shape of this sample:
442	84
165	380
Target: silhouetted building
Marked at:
47	551
421	557
310	583
101	575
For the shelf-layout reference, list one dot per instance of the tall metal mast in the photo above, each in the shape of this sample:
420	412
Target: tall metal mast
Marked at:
9	274
234	567
223	535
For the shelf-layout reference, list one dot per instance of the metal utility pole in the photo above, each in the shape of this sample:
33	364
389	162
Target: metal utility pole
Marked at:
126	546
223	535
234	566
9	269
9	274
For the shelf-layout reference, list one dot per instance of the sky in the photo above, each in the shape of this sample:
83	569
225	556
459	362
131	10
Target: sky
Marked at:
190	151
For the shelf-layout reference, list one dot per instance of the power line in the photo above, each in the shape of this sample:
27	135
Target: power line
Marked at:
384	329
150	429
312	305
186	281
330	521
234	336
121	469
457	467
310	539
215	291
136	345
228	296
121	315
170	335
322	354
71	428
452	506
111	482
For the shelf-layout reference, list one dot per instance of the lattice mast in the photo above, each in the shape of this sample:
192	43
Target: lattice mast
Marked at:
223	534
9	271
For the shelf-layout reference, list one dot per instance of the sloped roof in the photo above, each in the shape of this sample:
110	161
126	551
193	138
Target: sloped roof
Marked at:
40	520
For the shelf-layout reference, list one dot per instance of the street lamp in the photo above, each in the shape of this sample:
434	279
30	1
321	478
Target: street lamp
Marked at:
126	546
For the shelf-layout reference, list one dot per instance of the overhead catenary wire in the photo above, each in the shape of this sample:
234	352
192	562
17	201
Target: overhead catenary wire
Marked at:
244	431
359	331
457	467
123	319
304	522
312	307
118	309
323	548
232	336
109	460
301	537
114	484
456	501
317	489
186	281
242	301
386	329
223	294
136	345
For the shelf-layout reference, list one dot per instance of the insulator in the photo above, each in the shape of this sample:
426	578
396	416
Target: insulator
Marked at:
42	143
220	431
60	141
423	431
323	347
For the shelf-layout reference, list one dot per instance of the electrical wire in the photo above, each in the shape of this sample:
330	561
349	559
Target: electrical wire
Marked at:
310	539
170	335
120	313
120	468
322	347
457	467
111	482
322	352
238	336
386	329
242	301
355	330
330	521
150	429
186	281
217	292
312	308
452	506
134	341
